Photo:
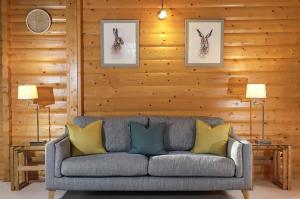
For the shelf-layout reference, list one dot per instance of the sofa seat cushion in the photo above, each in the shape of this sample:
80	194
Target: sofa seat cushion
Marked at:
109	164
189	164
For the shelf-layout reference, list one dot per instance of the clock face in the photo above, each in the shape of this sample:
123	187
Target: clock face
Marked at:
38	21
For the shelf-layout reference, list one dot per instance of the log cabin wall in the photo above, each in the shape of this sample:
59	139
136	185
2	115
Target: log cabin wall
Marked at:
41	60
35	59
262	43
1	132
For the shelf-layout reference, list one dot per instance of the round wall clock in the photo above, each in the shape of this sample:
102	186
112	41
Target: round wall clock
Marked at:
38	21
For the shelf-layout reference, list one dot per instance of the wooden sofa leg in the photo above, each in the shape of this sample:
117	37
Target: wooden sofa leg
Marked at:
245	194
51	194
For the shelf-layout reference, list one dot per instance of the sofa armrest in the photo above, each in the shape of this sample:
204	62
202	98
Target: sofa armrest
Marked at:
62	151
56	151
247	164
235	152
241	153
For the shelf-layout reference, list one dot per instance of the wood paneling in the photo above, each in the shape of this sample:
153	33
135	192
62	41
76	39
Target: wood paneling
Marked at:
74	10
32	59
1	131
262	43
41	60
5	137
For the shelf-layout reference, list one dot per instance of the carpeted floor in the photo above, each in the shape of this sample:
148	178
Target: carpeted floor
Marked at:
145	195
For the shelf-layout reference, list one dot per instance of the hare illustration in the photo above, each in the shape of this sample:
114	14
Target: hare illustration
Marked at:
204	46
116	47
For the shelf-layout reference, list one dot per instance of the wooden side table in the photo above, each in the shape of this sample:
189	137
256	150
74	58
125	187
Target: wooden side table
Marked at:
281	160
22	161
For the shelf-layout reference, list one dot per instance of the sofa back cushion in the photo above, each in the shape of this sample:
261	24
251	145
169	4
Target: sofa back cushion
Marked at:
180	131
116	130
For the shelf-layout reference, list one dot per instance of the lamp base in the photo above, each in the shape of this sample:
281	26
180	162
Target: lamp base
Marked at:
38	143
265	142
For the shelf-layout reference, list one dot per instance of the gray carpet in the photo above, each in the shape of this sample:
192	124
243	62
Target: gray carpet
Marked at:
145	195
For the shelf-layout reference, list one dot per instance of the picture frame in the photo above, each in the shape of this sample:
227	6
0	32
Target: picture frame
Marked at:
204	42
119	43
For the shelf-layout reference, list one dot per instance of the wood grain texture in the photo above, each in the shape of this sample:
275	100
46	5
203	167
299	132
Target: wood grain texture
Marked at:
1	101
32	59
262	43
5	137
74	57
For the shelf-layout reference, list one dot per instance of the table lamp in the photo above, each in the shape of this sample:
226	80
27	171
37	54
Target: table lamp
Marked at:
256	92
29	92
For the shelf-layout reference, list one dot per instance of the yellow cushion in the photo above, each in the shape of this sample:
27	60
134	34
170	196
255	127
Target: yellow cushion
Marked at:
87	140
211	140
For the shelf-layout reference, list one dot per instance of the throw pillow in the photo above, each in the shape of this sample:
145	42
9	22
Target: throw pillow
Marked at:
87	140
211	140
147	141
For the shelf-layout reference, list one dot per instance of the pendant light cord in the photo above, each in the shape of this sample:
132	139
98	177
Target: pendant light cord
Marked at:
162	4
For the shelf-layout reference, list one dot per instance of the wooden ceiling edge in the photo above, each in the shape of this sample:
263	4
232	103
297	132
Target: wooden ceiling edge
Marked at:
6	91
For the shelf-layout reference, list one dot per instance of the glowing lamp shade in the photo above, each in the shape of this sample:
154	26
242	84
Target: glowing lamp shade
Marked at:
256	91
27	92
162	14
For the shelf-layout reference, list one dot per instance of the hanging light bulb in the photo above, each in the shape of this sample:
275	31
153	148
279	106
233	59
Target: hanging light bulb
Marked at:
162	13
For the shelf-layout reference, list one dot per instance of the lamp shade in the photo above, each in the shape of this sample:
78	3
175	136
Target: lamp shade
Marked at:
27	92
256	91
46	96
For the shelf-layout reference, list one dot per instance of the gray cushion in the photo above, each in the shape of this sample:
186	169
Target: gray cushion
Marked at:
110	164
116	130
212	121
179	134
189	164
180	131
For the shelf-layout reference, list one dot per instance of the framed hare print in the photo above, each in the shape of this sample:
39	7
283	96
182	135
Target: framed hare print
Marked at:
119	43
204	42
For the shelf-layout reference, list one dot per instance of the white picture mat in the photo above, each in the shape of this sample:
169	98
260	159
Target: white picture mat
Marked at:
215	42
128	32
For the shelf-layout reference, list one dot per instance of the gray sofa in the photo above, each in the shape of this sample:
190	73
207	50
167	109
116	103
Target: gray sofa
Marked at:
179	170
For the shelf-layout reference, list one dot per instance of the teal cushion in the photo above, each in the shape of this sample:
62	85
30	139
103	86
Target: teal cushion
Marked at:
147	141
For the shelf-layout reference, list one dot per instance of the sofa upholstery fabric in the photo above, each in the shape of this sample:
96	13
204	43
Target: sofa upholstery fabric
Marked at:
110	164
235	152
180	131
63	151
189	164
116	130
147	140
239	152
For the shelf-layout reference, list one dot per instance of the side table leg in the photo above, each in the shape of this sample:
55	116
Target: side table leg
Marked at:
285	169
275	166
16	172
11	168
26	164
290	166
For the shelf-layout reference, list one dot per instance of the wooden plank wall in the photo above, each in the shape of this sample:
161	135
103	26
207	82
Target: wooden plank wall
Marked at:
1	132
5	95
262	43
41	60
